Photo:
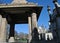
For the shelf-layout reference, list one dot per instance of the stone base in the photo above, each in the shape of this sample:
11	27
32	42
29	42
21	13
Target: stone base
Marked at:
3	42
11	39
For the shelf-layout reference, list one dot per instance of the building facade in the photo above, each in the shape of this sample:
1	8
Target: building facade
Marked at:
44	34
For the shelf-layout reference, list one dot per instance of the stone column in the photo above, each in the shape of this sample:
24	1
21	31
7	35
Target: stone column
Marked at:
34	20
0	24
3	30
35	36
11	35
29	22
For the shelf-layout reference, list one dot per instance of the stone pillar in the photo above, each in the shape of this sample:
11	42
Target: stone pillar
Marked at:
35	37
0	24
11	35
3	30
29	22
34	20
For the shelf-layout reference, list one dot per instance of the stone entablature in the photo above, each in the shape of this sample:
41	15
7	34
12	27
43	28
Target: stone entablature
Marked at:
16	5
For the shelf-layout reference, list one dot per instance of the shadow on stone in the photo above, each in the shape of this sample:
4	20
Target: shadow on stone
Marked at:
35	36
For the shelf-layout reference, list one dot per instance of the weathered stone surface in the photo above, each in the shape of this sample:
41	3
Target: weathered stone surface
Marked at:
29	22
3	30
34	20
11	39
0	24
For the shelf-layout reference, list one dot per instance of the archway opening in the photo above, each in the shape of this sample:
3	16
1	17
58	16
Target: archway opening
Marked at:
21	32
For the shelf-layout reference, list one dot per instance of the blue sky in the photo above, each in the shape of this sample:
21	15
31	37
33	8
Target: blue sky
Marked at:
43	19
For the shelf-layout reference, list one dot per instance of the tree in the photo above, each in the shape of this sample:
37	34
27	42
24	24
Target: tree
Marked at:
16	35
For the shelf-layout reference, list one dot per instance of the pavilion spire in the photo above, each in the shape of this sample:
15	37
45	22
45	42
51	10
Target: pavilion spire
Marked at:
49	11
56	5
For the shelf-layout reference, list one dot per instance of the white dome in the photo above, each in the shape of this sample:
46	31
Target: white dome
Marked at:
40	27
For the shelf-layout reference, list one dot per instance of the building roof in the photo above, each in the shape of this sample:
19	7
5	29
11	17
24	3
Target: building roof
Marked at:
19	12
